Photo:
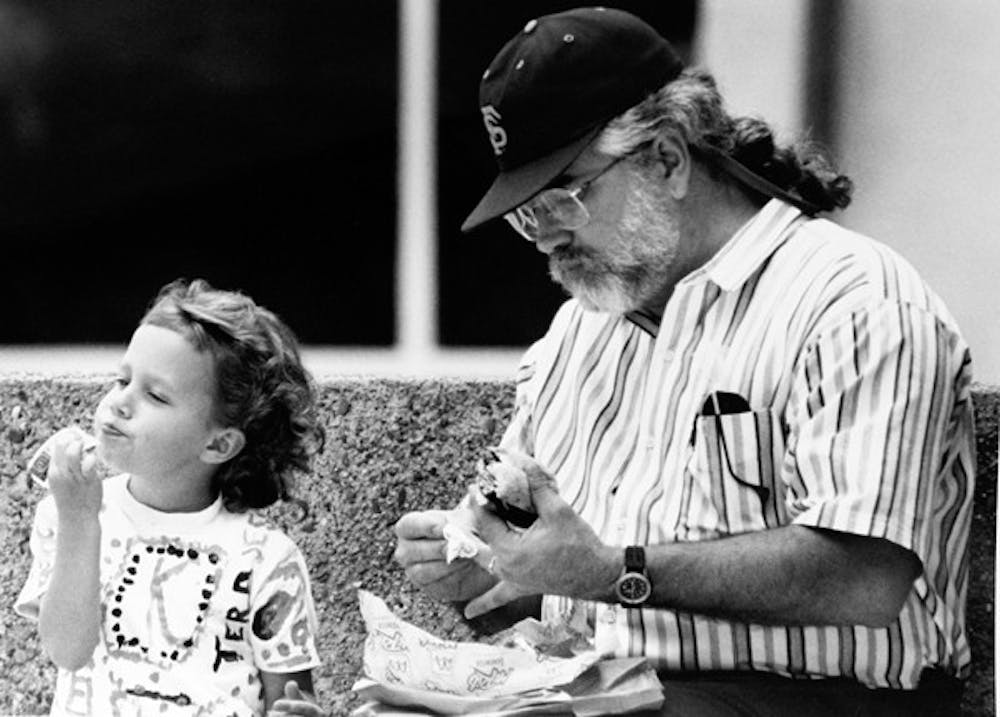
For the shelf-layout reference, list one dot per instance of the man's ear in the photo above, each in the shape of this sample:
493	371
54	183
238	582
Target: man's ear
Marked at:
224	444
673	157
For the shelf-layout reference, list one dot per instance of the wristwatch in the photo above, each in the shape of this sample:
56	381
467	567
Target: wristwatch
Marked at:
633	587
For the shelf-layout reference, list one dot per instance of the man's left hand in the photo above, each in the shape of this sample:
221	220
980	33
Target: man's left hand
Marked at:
560	554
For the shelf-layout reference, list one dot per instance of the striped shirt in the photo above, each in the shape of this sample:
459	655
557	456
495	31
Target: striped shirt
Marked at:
860	421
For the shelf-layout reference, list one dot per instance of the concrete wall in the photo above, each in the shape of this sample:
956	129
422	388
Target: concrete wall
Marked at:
393	446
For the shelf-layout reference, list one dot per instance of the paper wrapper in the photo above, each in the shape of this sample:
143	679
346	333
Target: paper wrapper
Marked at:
38	464
406	667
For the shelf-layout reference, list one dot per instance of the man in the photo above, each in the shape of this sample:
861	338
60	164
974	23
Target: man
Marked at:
758	423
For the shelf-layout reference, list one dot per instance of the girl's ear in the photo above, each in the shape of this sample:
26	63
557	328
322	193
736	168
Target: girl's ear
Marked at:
673	156
224	444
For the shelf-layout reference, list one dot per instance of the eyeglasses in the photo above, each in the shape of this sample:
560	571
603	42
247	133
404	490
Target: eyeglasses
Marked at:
553	210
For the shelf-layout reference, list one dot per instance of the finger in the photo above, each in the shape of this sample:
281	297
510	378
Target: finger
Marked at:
491	528
424	574
421	524
486	559
284	707
500	594
74	458
411	552
545	497
88	465
295	702
66	456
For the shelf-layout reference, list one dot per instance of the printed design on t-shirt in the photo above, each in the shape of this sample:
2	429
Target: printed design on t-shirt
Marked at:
80	693
158	601
227	648
139	701
281	619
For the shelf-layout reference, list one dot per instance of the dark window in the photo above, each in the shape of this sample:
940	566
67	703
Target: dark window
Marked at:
494	286
249	142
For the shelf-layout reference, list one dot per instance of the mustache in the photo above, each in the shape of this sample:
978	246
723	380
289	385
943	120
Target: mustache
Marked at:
571	252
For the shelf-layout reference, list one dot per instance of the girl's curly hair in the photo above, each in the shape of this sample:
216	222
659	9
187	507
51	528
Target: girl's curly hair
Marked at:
262	387
692	106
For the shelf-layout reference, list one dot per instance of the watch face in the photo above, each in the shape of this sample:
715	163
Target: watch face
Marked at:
633	588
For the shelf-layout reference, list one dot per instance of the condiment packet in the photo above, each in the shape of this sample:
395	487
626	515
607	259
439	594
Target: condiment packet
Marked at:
38	464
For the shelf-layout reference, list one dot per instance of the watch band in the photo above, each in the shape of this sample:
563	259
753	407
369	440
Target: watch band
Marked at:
635	559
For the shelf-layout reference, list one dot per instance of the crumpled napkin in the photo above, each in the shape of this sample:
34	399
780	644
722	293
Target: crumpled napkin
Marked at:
461	540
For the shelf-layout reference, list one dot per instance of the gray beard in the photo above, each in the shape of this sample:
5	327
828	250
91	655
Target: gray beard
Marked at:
595	282
630	269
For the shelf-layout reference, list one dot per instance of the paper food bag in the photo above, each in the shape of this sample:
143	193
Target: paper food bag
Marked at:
407	668
399	653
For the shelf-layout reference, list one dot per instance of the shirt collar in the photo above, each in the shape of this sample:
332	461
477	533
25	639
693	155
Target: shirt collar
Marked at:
147	518
740	257
749	247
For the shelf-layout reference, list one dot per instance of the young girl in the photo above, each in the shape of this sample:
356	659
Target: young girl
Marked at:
155	591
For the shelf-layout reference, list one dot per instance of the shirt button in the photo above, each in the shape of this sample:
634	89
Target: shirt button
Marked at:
610	615
651	444
668	356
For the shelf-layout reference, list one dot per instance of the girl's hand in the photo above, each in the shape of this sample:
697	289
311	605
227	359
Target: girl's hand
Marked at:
295	702
73	478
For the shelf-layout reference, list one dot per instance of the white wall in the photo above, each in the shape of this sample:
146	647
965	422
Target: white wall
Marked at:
921	137
918	129
755	50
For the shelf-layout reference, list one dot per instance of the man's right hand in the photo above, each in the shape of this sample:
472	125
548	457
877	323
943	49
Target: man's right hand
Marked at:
420	550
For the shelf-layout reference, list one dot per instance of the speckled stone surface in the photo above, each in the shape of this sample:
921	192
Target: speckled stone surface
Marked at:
393	446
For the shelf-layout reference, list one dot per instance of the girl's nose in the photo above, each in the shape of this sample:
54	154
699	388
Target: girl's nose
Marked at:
121	403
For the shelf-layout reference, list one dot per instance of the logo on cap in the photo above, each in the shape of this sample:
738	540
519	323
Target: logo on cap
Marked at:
498	135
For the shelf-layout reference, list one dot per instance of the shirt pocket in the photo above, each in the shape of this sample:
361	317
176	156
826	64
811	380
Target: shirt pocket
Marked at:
732	473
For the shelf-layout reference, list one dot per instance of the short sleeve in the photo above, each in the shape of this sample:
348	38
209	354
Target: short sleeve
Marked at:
282	613
43	556
880	428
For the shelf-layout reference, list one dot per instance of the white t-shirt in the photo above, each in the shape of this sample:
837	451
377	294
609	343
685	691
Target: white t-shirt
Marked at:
195	606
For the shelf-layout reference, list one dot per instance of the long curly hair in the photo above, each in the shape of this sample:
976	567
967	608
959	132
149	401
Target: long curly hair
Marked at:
692	106
262	388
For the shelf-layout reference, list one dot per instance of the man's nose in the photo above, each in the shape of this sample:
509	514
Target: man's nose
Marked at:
550	242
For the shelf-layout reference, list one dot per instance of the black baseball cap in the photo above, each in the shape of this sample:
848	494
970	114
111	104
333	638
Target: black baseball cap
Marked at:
553	87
